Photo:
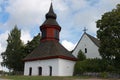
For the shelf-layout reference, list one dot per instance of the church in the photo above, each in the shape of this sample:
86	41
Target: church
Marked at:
89	45
50	58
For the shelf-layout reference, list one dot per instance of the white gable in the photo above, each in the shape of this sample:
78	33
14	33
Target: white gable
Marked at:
87	46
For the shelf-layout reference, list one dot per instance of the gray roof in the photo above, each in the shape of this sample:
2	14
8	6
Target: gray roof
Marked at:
51	13
95	40
51	17
49	50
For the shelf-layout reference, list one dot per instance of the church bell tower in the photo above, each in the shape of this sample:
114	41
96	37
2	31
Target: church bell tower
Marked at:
50	28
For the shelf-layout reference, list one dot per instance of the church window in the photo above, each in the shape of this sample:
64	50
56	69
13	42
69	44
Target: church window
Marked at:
39	71
85	50
56	34
50	70
43	33
30	71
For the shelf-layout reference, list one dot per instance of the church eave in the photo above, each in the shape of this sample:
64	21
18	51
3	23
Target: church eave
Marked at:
50	26
51	57
95	40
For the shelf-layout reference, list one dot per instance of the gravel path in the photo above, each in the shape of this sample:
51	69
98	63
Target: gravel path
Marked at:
4	79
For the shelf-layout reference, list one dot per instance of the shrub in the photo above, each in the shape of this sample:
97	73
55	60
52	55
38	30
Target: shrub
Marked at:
104	75
81	56
88	65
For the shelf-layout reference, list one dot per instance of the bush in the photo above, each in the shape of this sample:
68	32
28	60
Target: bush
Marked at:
88	65
104	75
94	65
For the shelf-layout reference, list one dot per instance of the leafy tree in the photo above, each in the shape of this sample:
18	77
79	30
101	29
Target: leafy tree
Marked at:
31	45
109	35
12	57
81	56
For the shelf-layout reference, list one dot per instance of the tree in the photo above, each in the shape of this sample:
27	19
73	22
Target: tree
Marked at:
31	45
81	56
12	57
109	35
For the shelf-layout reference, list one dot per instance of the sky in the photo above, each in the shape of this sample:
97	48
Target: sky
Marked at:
72	16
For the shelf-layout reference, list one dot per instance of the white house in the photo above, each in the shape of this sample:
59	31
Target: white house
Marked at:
50	58
89	45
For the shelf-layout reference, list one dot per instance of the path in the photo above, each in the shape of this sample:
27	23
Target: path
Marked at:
92	79
4	79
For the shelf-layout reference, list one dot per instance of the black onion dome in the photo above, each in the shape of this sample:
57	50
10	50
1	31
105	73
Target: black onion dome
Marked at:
51	13
51	17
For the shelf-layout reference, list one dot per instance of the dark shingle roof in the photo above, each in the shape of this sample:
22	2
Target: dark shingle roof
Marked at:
50	21
51	17
49	50
95	40
51	13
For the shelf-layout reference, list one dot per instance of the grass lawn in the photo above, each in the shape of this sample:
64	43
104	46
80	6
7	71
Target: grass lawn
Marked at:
41	78
51	78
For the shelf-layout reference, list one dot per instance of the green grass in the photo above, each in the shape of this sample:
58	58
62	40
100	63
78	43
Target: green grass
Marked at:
41	78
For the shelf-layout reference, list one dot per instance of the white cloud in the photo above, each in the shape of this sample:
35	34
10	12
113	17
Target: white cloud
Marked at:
68	45
3	44
25	36
26	13
72	15
78	4
90	14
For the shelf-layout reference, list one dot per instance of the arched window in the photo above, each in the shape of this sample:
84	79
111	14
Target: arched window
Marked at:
39	71
30	71
85	50
50	70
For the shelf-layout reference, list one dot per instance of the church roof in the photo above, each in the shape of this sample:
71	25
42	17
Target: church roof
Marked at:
95	40
51	13
49	50
51	17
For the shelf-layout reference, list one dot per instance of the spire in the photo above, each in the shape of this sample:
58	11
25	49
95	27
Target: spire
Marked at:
50	28
51	17
51	13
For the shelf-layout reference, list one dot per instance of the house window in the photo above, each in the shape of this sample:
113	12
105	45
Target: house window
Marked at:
39	71
50	70
30	71
85	50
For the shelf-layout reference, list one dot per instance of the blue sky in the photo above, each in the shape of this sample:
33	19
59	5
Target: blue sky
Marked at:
72	16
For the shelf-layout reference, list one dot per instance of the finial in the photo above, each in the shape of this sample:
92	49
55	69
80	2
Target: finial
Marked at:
85	29
51	1
51	13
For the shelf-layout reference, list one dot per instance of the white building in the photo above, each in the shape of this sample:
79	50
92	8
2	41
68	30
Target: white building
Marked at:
49	67
50	58
88	45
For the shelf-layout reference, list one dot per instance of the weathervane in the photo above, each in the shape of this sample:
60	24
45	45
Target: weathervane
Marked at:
85	29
